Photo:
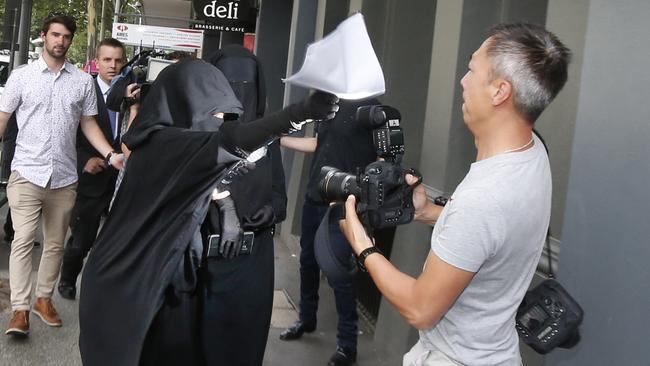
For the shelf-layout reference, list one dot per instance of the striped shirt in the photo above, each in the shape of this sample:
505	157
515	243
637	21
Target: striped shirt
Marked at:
48	104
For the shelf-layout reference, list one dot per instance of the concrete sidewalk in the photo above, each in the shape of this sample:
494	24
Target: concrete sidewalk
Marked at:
315	348
59	346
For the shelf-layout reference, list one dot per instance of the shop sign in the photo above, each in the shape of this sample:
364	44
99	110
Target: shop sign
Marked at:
226	15
158	37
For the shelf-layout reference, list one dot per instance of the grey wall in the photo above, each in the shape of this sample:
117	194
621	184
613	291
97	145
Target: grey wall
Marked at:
568	20
477	17
605	251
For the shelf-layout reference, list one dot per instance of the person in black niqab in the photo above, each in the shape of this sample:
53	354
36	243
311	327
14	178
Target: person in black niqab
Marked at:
138	295
238	300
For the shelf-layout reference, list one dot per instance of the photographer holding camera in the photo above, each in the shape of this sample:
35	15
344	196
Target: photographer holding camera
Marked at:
488	238
344	144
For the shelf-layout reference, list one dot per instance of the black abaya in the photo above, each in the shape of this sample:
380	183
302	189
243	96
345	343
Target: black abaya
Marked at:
140	280
140	300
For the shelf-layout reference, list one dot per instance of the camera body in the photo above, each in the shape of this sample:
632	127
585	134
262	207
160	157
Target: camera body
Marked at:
145	67
384	199
549	317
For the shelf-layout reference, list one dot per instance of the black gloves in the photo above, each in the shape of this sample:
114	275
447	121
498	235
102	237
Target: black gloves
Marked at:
262	218
231	232
317	106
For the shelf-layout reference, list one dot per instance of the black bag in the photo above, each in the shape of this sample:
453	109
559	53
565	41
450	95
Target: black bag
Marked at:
549	317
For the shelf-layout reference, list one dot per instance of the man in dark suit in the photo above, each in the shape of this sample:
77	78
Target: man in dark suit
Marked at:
96	177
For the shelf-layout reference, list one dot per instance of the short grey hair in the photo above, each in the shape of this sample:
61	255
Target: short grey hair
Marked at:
533	60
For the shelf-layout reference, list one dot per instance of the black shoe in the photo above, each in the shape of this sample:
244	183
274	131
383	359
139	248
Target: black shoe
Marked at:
67	290
296	331
343	356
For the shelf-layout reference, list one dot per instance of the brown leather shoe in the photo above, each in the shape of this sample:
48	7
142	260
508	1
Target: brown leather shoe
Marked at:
44	308
19	324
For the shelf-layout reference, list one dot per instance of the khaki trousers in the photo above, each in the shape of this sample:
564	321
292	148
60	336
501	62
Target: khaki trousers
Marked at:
28	202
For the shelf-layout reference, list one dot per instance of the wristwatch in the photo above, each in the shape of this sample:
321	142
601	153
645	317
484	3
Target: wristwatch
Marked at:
108	157
361	258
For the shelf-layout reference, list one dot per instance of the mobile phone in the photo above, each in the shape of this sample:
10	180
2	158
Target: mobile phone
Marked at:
246	247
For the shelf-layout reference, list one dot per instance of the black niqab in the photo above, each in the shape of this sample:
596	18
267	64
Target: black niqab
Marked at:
246	76
186	95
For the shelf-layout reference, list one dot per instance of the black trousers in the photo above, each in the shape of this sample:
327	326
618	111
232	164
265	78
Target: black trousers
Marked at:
345	292
86	216
225	322
238	304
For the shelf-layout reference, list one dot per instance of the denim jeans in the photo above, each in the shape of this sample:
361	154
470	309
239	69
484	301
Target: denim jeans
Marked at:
345	293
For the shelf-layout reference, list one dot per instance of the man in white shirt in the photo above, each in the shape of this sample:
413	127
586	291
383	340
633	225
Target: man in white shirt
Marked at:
488	238
96	178
51	98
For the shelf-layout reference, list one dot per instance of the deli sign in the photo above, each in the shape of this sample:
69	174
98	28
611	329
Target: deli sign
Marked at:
227	15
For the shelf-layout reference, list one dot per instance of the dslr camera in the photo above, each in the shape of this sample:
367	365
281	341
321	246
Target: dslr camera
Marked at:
384	199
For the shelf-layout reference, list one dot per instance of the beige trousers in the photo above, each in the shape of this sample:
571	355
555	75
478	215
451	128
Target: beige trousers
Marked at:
28	202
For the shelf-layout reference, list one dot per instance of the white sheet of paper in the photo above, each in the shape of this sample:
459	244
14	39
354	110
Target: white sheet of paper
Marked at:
343	63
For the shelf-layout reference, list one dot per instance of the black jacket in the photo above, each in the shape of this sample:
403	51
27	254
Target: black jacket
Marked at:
264	186
95	185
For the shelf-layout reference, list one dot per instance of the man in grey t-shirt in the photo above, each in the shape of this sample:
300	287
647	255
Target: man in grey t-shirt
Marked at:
488	238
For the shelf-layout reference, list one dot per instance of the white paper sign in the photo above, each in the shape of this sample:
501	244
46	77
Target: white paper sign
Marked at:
343	63
158	37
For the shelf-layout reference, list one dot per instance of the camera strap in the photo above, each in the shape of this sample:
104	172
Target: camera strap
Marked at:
548	316
547	244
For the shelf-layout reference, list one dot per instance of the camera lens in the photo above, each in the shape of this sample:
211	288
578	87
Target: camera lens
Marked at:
335	185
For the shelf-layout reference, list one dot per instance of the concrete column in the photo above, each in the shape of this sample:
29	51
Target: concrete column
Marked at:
440	104
304	21
409	67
